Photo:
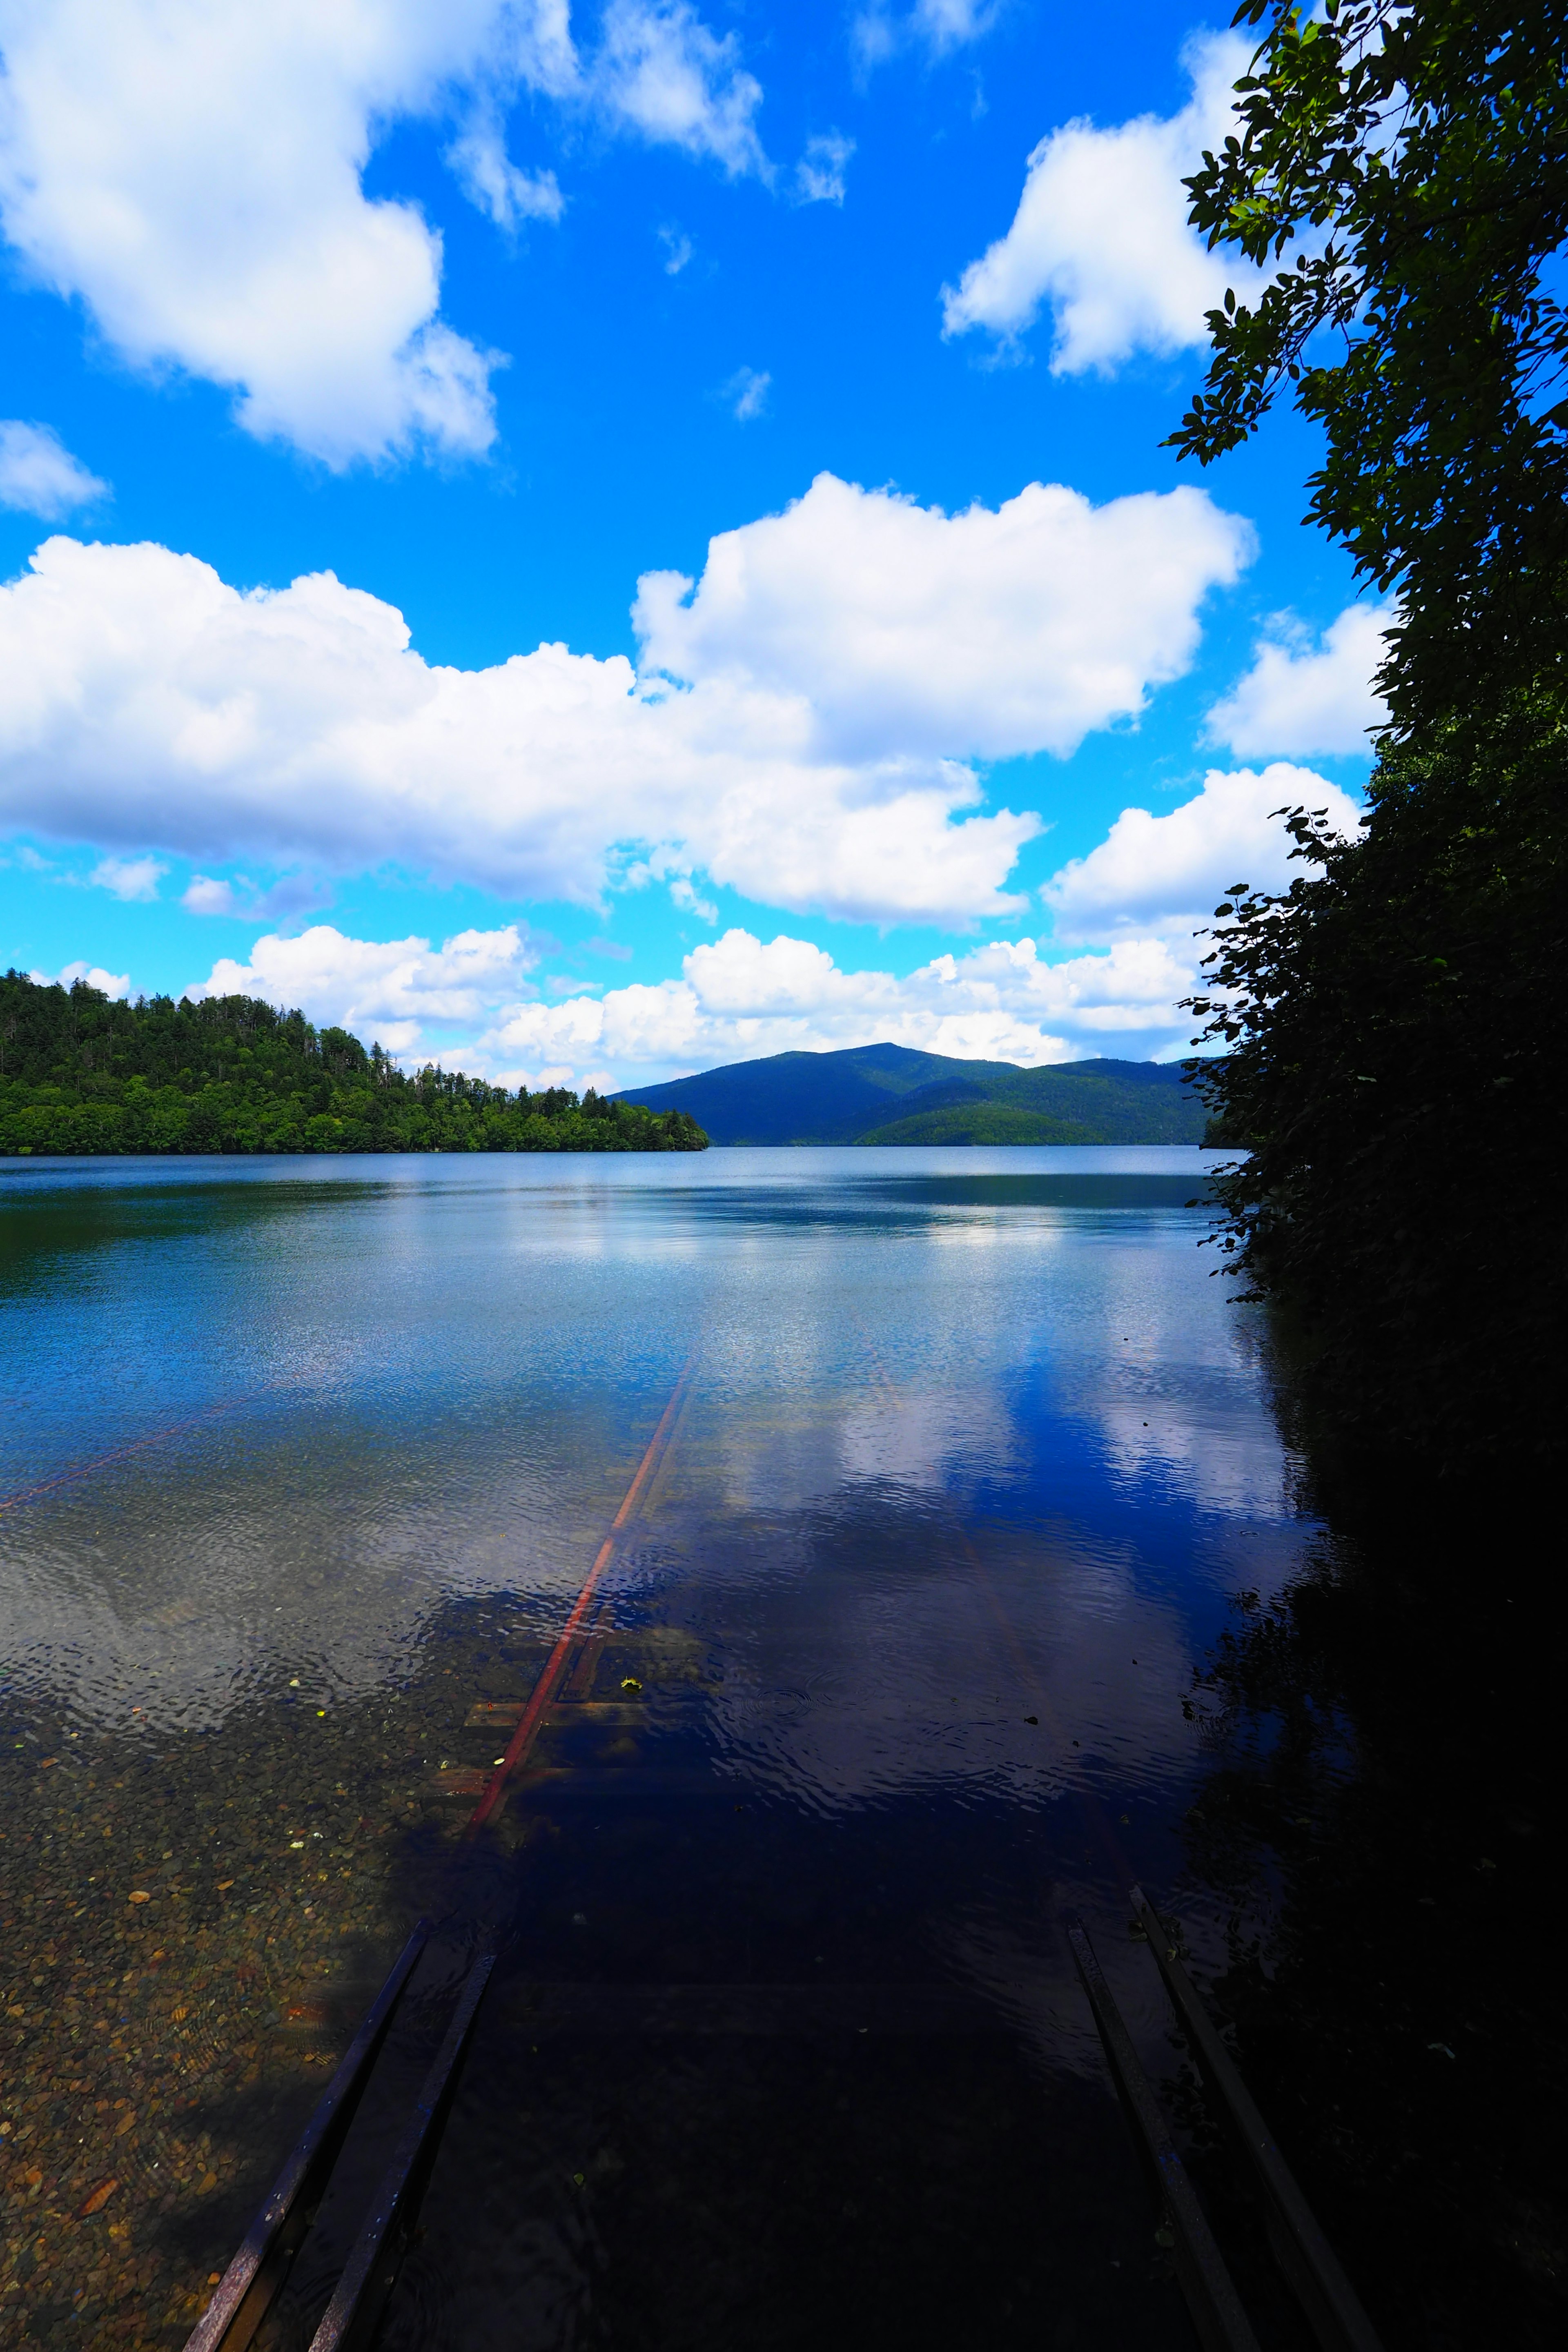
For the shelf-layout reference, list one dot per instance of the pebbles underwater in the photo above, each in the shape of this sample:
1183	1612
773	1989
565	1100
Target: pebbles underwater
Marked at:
193	1929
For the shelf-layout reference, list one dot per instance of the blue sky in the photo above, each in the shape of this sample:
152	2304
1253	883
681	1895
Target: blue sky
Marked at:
966	702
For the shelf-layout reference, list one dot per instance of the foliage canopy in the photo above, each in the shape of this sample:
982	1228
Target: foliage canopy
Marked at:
1402	172
1394	1063
1392	1019
82	1073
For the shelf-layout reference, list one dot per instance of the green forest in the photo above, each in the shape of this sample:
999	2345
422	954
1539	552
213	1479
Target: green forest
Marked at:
1391	1023
80	1072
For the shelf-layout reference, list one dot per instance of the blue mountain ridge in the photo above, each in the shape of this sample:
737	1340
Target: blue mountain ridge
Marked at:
896	1093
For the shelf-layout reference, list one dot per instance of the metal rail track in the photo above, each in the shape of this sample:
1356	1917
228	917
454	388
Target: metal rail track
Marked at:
1296	2239
259	2271
1220	2322
1306	2262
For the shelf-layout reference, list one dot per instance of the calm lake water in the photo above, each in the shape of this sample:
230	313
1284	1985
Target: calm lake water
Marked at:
302	1461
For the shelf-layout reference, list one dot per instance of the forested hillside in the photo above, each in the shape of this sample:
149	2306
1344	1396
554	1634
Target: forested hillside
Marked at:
82	1073
896	1093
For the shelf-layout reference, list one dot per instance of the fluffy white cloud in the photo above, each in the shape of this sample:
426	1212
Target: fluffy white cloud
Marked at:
112	984
1100	233
297	725
838	662
388	987
739	997
191	171
660	71
239	899
39	476
1164	874
981	633
938	27
490	179
1142	894
1302	698
747	393
129	877
819	174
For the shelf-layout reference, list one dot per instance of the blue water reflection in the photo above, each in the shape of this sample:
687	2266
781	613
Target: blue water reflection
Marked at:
974	1455
334	1393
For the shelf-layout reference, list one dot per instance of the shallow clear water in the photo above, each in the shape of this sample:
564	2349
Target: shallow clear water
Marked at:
299	1460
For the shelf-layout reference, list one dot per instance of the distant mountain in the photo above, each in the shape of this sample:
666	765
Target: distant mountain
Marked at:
892	1094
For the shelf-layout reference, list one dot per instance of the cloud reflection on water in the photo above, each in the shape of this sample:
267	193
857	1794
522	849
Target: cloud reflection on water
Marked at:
454	1367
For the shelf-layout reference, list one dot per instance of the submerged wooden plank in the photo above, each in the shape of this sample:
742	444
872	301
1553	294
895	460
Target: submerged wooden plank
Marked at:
629	1782
785	2011
500	1715
610	1713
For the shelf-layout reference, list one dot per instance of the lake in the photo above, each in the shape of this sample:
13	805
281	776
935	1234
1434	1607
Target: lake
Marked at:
304	1463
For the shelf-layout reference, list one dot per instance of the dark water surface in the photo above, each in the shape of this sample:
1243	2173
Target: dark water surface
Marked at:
302	1462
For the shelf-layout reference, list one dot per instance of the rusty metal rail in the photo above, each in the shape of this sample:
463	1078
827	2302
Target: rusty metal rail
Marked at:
259	2271
248	2287
573	1637
1295	2236
1216	2308
352	2315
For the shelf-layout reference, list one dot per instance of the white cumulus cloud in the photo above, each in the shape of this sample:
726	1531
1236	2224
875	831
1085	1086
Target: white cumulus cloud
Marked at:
39	476
937	26
822	688
819	174
988	632
1164	875
747	393
1132	907
191	171
112	984
1101	233
1300	698
129	877
737	997
390	989
661	71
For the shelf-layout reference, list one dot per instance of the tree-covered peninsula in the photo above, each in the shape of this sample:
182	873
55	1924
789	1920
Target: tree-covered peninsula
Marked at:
80	1072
